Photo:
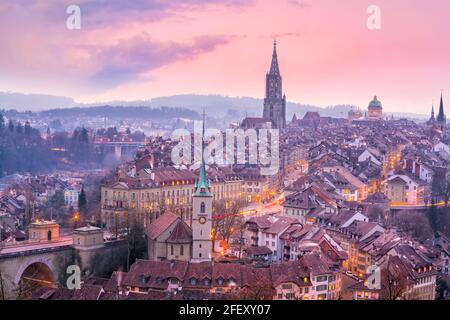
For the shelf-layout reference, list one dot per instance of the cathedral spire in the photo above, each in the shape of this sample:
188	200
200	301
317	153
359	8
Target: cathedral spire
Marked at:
202	186
441	115
432	113
274	69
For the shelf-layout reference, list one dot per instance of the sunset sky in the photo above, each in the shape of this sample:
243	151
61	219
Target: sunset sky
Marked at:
132	50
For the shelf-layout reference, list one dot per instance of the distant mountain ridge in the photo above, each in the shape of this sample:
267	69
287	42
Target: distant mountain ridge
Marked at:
217	105
33	102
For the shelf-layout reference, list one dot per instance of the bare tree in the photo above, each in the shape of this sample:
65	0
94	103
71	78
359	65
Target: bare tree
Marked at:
413	223
441	187
2	289
227	219
377	213
394	282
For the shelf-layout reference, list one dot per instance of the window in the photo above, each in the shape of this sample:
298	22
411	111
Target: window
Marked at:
171	249
202	207
193	281
290	296
182	250
321	288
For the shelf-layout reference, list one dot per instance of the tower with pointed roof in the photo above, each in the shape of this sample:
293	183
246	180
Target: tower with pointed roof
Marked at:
202	214
441	119
275	101
432	118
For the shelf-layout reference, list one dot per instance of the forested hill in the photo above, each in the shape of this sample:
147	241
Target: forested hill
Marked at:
121	112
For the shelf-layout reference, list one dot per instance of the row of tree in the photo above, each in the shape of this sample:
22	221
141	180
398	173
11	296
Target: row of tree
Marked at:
23	149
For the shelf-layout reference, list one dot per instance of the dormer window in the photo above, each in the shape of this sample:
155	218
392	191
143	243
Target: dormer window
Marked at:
207	282
193	281
220	281
145	279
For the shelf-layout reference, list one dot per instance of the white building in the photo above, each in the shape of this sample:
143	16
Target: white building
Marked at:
71	197
404	189
266	231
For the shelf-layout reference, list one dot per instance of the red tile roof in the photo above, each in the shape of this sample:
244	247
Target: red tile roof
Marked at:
155	229
182	233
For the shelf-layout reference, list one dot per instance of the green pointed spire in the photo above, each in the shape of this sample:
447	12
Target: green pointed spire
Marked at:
202	186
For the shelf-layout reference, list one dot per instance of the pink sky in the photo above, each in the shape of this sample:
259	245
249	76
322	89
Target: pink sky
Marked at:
143	49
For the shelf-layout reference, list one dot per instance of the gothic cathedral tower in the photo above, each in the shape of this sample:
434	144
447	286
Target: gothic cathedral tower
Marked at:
275	101
202	249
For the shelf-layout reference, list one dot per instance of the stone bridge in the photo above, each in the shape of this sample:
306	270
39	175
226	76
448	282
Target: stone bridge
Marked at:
119	148
25	266
32	263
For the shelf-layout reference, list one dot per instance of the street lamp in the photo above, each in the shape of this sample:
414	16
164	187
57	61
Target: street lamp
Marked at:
76	218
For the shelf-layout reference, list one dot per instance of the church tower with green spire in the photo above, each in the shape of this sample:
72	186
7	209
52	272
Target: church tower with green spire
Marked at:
202	198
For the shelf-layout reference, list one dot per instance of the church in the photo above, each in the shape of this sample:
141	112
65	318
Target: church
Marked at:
274	102
439	122
171	238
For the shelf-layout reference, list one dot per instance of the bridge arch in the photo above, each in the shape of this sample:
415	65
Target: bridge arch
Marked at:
41	267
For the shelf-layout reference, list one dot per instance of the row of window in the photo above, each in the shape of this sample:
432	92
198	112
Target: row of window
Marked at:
151	195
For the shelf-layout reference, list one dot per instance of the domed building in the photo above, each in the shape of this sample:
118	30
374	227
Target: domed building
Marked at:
375	109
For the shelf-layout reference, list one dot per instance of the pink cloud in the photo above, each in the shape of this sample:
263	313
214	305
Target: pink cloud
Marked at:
141	49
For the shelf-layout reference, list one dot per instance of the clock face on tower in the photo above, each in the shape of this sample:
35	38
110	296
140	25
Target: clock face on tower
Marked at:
202	220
